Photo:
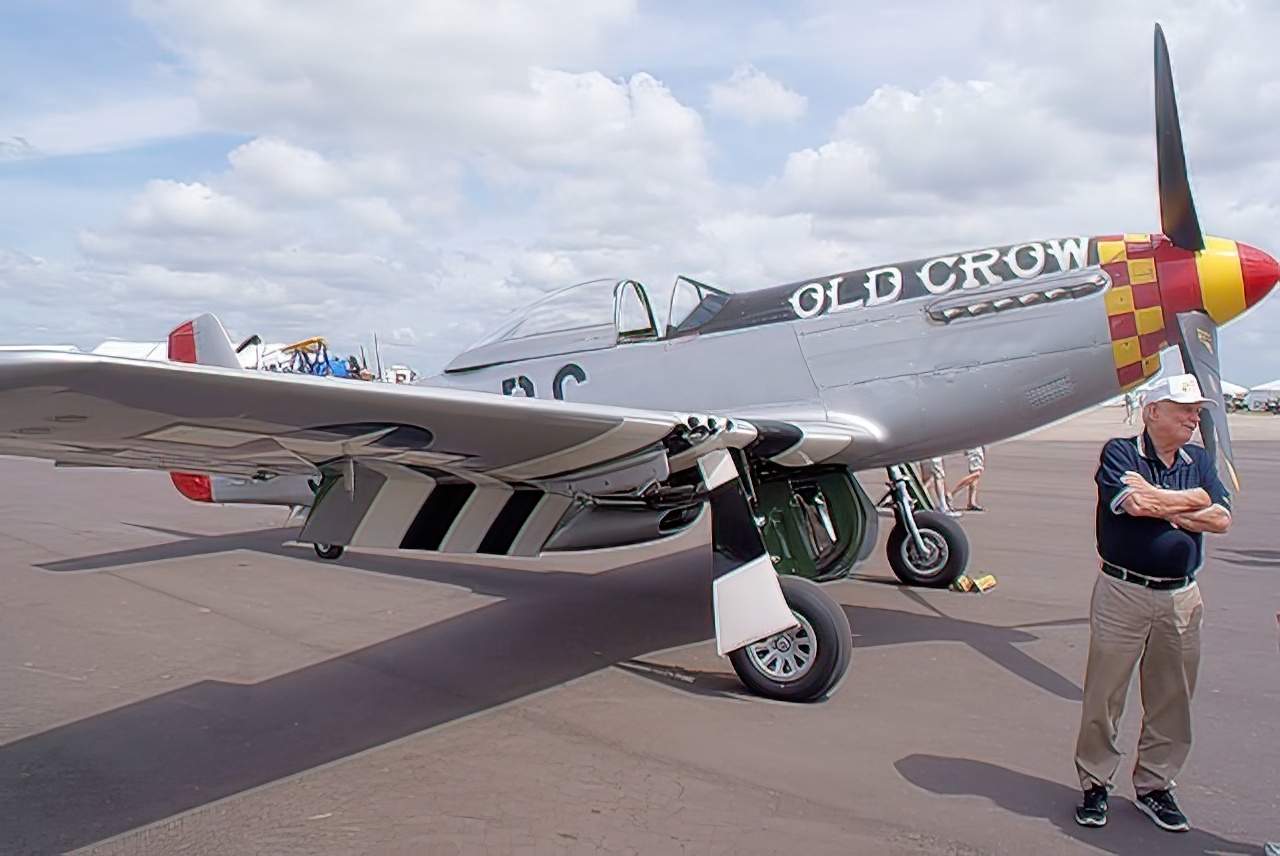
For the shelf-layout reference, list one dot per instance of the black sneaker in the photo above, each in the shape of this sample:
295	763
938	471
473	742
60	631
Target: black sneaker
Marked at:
1161	808
1093	811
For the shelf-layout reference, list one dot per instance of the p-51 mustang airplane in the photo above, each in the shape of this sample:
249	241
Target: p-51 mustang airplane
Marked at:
581	425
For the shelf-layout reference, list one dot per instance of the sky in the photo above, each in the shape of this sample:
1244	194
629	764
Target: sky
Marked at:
419	169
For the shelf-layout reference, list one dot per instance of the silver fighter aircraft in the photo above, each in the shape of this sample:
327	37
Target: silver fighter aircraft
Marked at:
585	424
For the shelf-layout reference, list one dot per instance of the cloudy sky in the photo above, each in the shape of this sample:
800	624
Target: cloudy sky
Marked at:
421	167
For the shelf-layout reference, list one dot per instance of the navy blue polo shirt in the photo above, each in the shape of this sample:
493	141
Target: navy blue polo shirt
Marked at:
1150	545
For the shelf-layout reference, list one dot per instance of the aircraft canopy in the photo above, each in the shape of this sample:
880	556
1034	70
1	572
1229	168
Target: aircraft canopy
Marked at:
590	316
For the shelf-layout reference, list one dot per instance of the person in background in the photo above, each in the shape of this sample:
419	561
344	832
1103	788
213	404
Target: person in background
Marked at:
934	477
977	466
1157	495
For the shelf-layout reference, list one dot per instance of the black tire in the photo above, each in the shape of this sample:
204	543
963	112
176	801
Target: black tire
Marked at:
824	628
330	551
948	556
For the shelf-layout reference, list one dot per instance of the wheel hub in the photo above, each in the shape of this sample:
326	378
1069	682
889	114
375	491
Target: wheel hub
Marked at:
935	554
786	656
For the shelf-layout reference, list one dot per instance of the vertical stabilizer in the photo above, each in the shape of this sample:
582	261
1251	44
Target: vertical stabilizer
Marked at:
203	340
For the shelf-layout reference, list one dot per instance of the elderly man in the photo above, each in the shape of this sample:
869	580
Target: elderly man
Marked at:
1157	494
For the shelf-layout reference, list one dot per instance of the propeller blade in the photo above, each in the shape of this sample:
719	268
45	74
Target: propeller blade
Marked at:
1177	210
1199	348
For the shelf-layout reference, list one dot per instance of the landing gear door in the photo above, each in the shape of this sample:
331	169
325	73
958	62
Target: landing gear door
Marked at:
818	523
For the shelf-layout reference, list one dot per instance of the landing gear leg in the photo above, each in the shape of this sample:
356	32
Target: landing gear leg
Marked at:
786	638
925	548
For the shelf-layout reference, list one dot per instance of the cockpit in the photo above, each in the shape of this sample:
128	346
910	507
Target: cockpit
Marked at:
594	315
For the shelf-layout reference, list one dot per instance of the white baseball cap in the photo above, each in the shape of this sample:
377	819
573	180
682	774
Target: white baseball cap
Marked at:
1182	389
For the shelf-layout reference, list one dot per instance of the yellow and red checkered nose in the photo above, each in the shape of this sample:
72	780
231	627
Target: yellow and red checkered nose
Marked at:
1152	281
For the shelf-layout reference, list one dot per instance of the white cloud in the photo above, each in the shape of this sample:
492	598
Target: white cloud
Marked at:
953	145
173	208
376	215
287	172
384	67
754	97
105	126
431	166
403	336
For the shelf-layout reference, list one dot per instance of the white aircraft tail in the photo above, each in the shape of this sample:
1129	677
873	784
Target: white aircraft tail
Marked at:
203	340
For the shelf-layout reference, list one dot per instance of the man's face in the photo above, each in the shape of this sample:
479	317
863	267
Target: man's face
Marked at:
1172	422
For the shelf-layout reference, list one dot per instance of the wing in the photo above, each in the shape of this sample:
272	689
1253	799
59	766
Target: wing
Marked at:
87	409
410	468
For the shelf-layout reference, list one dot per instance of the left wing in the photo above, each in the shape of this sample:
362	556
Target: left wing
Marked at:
407	467
93	410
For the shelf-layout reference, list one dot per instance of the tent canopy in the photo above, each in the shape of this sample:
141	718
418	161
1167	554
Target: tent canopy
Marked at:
1233	388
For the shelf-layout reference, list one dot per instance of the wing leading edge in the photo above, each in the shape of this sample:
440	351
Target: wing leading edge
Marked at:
87	409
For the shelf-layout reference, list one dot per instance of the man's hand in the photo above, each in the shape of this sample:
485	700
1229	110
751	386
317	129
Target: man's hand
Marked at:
1147	500
1135	480
1214	519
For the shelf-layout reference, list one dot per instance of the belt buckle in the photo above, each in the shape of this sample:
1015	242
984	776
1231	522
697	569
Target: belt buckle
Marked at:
1127	576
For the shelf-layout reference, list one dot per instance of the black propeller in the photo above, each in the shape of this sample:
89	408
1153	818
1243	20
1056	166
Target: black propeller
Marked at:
1178	221
1177	209
1199	349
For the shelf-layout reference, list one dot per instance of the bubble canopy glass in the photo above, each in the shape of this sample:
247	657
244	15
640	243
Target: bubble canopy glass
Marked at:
591	315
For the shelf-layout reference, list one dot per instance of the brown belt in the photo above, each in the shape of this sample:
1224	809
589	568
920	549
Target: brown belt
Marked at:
1159	583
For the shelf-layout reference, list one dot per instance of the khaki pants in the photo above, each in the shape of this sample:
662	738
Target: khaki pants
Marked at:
1158	632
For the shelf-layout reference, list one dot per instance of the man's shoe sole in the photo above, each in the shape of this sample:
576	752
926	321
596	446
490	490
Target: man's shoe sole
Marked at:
1167	827
1088	821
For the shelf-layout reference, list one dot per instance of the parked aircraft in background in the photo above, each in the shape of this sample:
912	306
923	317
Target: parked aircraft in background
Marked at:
583	424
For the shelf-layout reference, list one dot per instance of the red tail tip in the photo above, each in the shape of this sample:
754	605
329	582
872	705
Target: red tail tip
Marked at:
192	486
182	343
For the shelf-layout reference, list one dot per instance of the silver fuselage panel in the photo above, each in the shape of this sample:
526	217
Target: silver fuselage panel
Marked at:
909	379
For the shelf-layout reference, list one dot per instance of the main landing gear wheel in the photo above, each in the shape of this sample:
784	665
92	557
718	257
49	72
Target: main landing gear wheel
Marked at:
330	551
806	662
943	559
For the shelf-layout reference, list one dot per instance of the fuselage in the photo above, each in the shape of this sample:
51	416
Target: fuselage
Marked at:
915	358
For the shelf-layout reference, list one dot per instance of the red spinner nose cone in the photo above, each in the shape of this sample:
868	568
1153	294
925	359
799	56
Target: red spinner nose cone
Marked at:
1260	273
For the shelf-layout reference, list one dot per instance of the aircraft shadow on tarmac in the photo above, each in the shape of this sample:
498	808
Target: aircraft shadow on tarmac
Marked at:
112	772
1127	832
874	626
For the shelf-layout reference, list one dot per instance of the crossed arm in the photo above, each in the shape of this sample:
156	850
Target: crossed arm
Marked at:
1192	510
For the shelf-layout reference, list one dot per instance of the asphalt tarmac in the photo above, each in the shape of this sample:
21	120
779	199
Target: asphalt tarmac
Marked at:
175	680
